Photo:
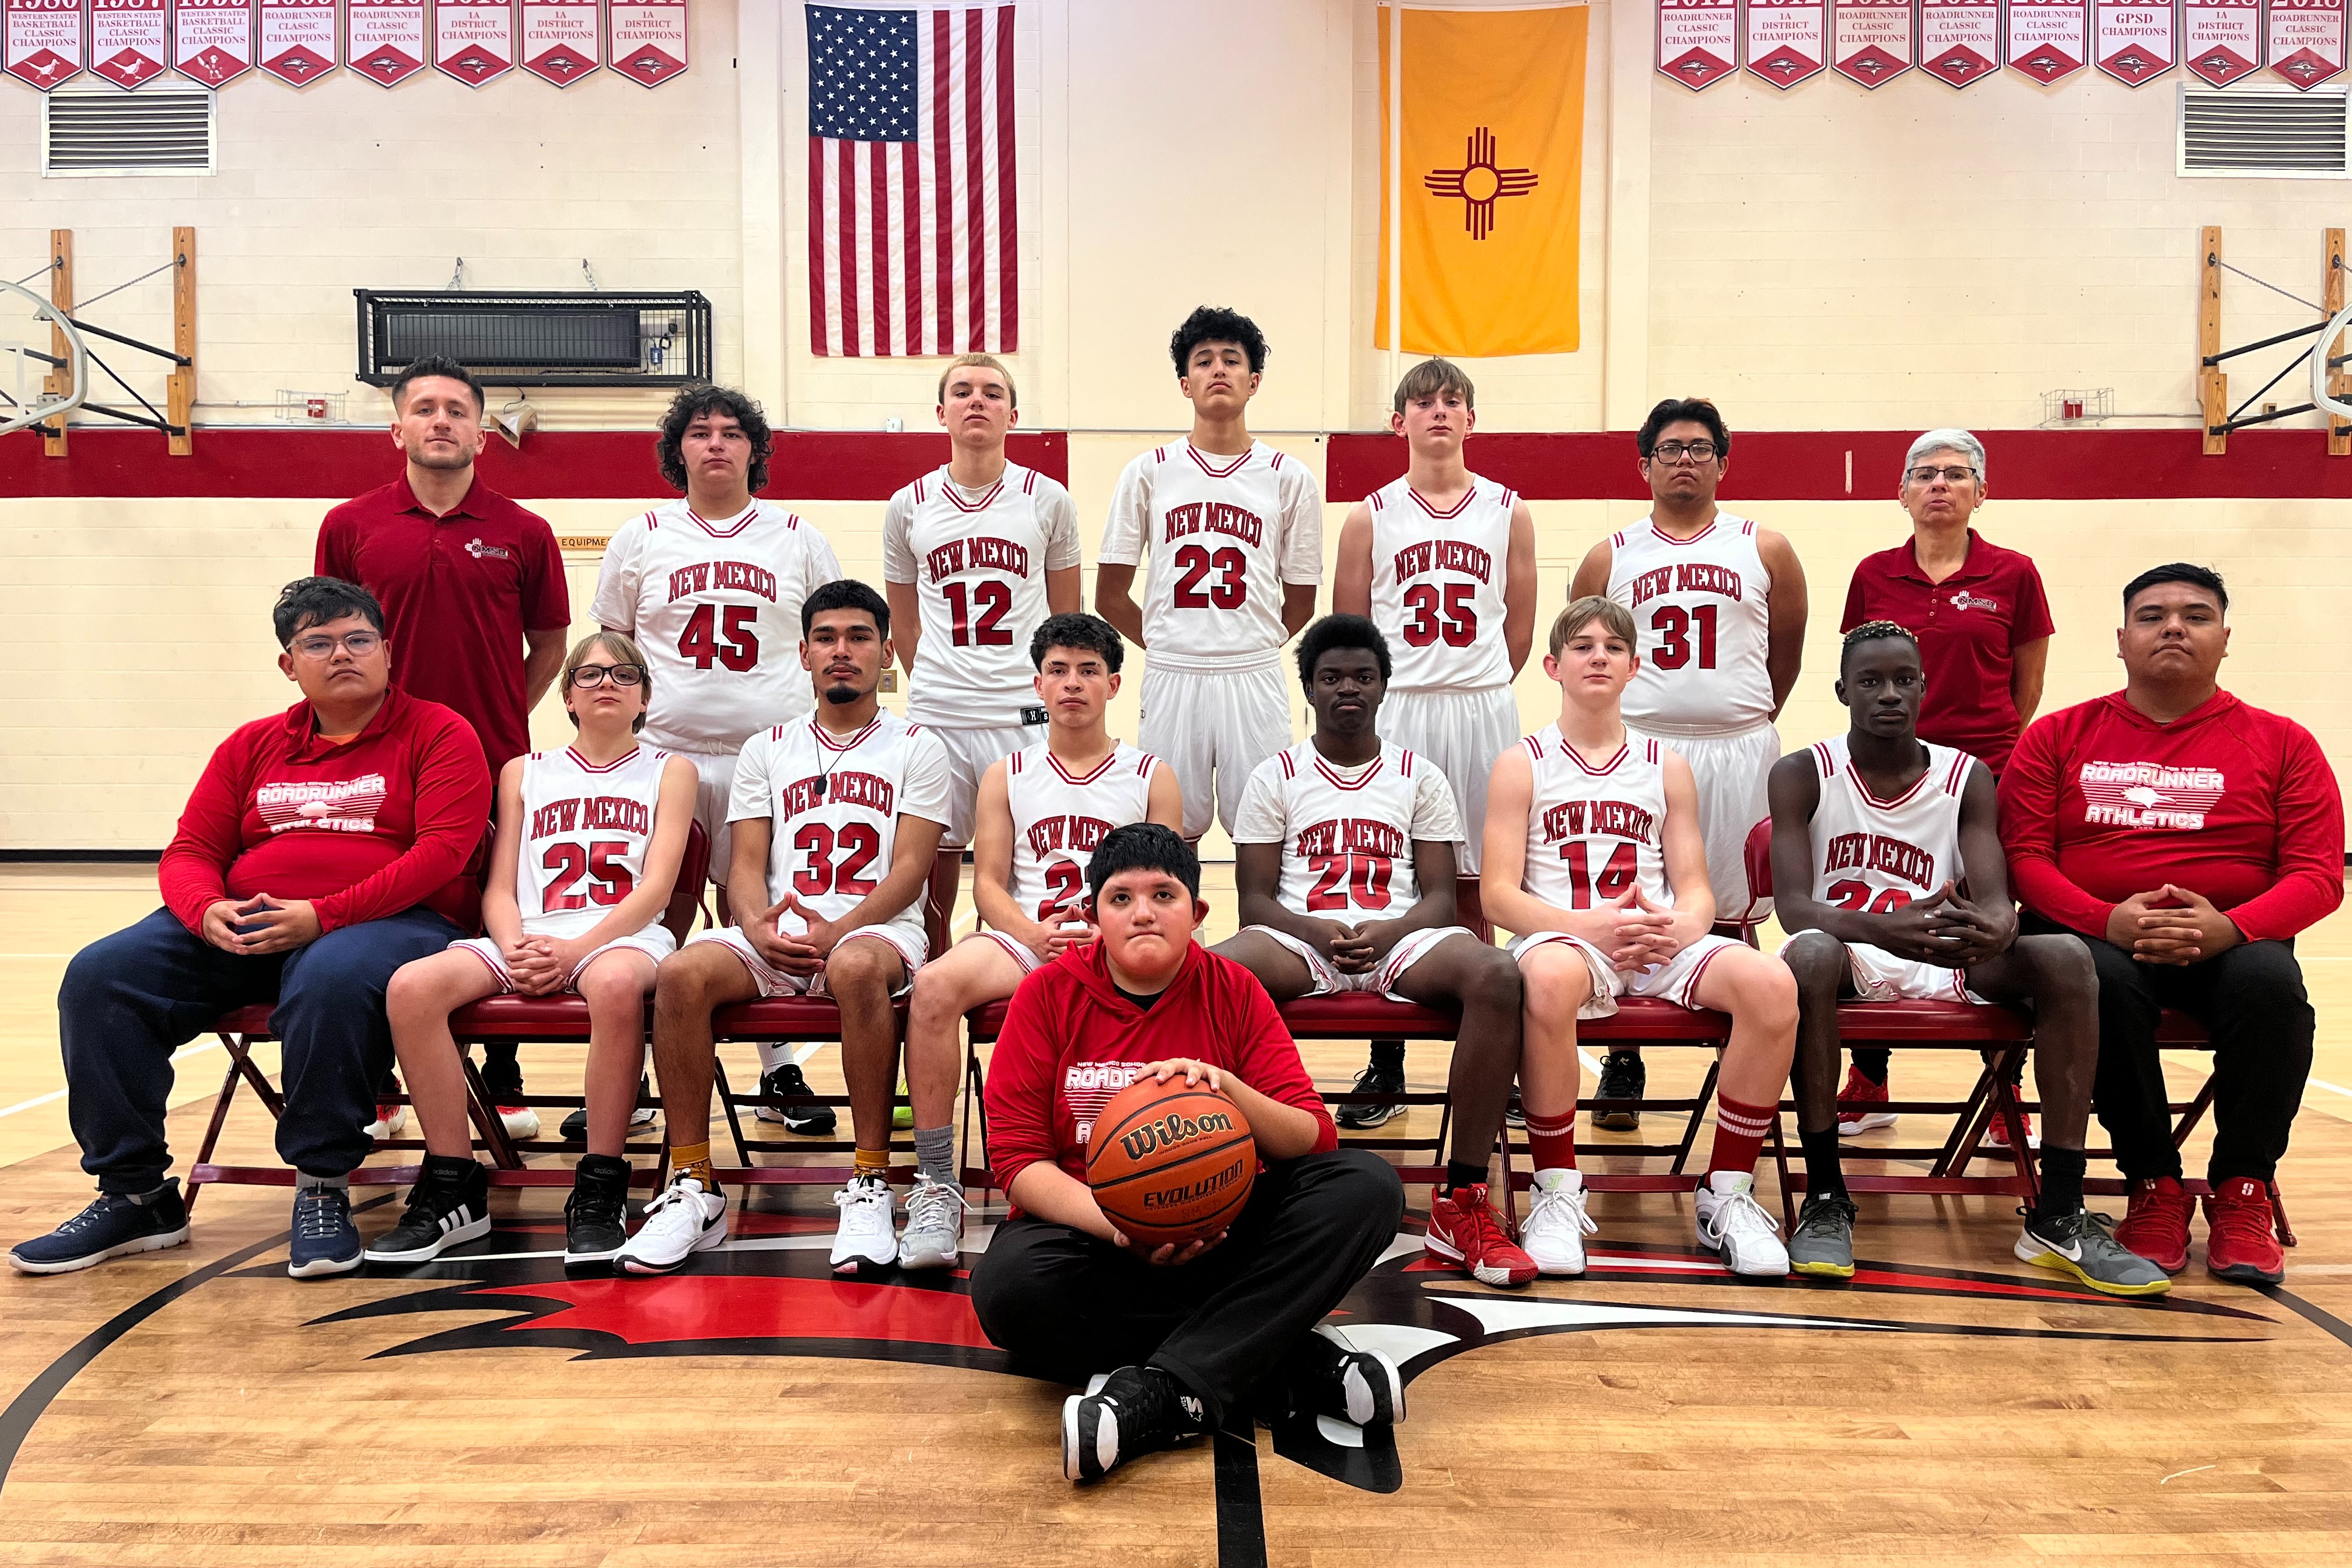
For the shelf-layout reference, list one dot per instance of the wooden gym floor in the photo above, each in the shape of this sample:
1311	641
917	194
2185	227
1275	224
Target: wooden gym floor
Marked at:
1951	1406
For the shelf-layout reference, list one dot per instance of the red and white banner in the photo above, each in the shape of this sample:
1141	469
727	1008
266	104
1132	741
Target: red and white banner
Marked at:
212	40
1698	41
2135	43
383	40
474	41
2221	40
559	39
1788	40
44	41
2048	39
645	40
2306	40
1960	41
1870	41
129	40
298	39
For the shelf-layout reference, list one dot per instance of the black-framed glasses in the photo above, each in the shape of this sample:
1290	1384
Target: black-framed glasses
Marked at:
618	674
359	645
1924	474
1675	451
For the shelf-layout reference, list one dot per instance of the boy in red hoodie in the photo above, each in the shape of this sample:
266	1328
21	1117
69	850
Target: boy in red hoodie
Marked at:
1189	1337
2188	837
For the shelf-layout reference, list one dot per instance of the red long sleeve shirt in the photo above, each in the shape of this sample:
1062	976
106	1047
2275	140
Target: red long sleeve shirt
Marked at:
1071	1041
2101	802
381	822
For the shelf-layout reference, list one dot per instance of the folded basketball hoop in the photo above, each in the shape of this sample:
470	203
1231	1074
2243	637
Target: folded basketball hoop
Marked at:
37	383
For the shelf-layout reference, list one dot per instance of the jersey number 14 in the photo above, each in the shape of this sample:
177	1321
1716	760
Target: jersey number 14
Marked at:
1586	889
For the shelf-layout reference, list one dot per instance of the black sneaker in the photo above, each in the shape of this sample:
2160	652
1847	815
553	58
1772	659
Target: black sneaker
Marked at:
113	1225
1134	1410
641	1117
596	1216
325	1239
1516	1114
449	1204
785	1081
1623	1076
1378	1077
1327	1376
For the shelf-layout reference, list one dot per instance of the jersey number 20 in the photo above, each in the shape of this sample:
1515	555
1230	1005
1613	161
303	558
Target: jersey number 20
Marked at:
1227	592
1343	879
1854	895
571	860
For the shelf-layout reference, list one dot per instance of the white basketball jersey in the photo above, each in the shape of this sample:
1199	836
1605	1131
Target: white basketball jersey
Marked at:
978	562
716	608
1059	816
1593	833
1879	855
833	803
1222	535
1703	607
1347	845
585	834
1437	586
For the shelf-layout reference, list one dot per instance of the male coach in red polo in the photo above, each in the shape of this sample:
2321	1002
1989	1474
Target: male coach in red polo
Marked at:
2189	838
476	607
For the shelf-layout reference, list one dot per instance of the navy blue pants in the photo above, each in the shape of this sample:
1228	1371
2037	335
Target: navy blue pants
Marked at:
129	1000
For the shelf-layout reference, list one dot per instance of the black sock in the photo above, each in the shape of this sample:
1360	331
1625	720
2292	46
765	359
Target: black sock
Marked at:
1460	1173
1388	1054
1871	1065
1824	1175
2062	1182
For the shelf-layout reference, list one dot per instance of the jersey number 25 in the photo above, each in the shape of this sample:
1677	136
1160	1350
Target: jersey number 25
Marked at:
571	860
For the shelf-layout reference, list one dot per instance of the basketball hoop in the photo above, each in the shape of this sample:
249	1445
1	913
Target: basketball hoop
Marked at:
2326	367
27	367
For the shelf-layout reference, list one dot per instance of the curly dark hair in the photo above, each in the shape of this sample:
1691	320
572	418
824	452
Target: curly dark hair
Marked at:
1215	324
701	397
1339	631
1874	631
1077	629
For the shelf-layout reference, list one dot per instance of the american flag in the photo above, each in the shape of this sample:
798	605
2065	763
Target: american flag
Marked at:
912	242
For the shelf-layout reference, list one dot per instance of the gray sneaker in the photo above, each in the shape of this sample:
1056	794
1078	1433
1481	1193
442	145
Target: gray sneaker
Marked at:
934	1235
1822	1243
2083	1245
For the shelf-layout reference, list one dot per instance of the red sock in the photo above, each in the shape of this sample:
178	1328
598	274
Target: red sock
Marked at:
1552	1140
1739	1133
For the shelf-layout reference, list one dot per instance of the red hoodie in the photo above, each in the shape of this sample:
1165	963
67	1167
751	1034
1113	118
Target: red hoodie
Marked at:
380	823
2101	802
1045	1088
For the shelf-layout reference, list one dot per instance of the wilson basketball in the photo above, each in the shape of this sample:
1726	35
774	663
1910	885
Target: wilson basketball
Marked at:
1171	1162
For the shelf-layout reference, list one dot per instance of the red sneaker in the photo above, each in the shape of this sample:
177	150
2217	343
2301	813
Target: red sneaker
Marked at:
2156	1225
1465	1230
1853	1101
1997	1131
2241	1238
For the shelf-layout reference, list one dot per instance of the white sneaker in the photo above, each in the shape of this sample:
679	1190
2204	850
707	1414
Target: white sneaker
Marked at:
683	1221
390	1119
1731	1221
934	1238
865	1238
521	1120
1556	1223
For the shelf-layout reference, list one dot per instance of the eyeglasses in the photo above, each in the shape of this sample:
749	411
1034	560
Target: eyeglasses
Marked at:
619	674
359	645
1674	451
1925	474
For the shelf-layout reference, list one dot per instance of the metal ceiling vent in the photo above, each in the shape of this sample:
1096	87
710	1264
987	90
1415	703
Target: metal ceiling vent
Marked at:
165	128
2274	134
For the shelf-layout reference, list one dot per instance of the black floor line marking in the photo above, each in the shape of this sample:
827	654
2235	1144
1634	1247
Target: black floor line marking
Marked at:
2326	1322
1241	1509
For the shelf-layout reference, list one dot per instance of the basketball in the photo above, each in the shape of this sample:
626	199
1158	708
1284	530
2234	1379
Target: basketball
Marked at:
1171	1162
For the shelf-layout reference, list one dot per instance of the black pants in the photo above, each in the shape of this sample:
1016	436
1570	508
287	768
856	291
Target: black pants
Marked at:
1068	1306
2252	1002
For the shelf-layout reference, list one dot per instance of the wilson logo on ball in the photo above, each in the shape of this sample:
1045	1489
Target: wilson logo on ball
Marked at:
1172	1129
1171	1162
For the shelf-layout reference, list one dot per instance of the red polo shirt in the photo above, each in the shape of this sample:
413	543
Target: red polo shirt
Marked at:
1970	627
459	594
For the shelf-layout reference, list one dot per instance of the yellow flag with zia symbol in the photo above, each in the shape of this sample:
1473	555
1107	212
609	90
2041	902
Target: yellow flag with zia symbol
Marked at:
1490	158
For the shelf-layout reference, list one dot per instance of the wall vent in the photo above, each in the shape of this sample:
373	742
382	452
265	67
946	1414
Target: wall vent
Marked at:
91	128
2267	133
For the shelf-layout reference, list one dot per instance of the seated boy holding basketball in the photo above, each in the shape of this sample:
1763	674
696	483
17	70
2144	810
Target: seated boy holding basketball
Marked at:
1190	1336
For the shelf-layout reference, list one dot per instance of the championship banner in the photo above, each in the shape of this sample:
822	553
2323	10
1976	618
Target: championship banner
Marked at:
212	40
2306	40
129	40
474	41
383	40
1698	41
1960	41
2048	39
559	39
1870	41
44	41
2221	40
298	39
2135	43
1786	39
645	40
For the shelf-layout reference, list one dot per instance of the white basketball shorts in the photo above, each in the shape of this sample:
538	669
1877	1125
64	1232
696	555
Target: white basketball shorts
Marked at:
969	753
1676	979
774	982
1880	976
1217	726
1462	732
1731	771
714	774
1409	951
655	942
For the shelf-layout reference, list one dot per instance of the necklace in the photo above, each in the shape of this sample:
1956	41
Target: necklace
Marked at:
824	773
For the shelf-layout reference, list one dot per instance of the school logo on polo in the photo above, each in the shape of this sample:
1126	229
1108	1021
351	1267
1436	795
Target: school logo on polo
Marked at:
482	552
1964	600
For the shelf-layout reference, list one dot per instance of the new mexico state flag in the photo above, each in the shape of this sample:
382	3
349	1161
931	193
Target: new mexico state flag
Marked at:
1493	157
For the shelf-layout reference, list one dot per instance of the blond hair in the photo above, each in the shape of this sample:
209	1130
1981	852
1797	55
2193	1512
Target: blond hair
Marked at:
980	362
623	651
1614	618
1432	376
